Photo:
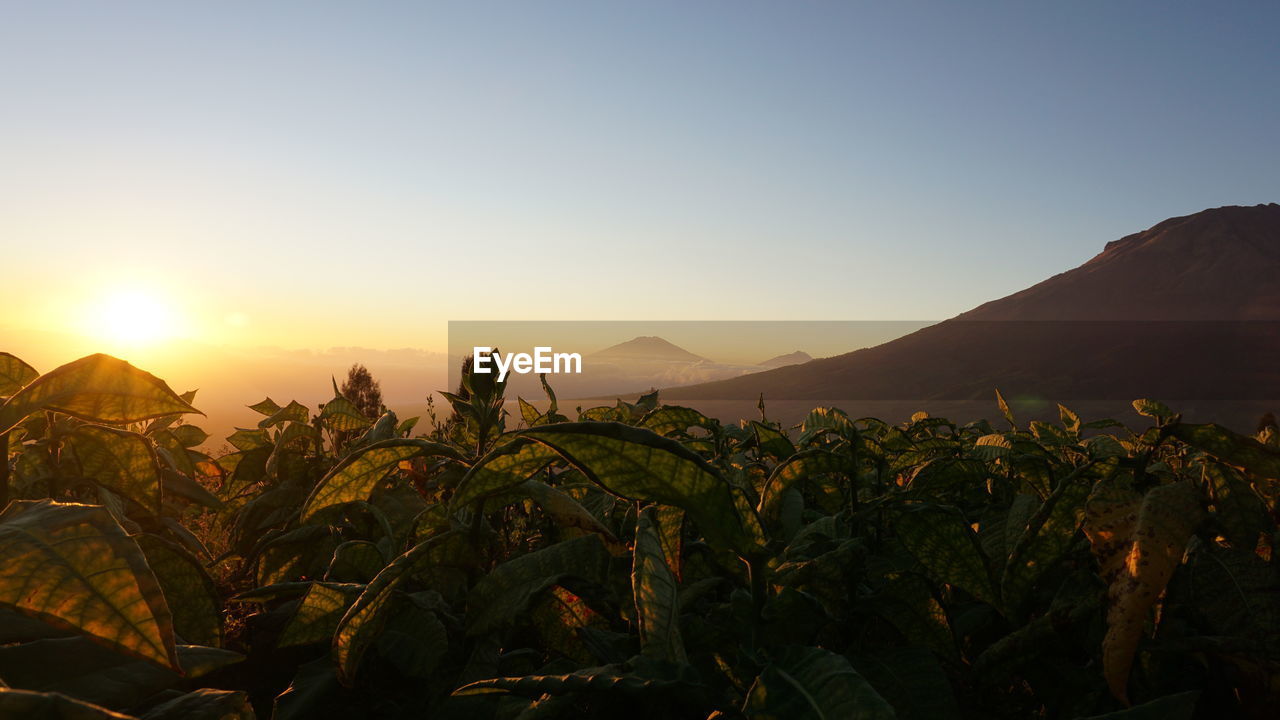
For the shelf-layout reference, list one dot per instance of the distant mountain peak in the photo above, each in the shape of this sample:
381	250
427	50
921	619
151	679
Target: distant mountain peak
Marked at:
1208	230
1217	264
648	347
792	358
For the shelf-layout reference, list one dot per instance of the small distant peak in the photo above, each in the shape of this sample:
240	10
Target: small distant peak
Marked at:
793	358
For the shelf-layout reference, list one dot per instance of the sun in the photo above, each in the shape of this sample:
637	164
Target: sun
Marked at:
133	316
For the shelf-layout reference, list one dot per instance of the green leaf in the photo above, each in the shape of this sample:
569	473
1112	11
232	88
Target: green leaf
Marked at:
342	415
355	561
670	419
293	412
246	440
74	566
77	667
97	388
808	683
564	621
189	436
204	704
801	466
671	533
315	693
1152	408
528	413
1045	539
504	594
267	407
656	594
948	472
30	705
188	589
360	472
618	680
824	420
319	613
912	680
414	641
637	464
503	468
14	374
120	460
1181	706
566	511
1069	420
772	443
1231	448
1240	511
944	544
178	485
992	446
361	625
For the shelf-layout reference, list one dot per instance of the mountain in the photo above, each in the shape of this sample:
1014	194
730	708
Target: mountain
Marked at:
795	358
647	348
1217	264
1186	310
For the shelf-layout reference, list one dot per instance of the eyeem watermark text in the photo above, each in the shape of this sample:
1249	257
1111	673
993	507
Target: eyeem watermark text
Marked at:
543	360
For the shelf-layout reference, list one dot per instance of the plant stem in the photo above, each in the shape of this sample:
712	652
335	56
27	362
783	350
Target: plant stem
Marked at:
4	469
755	573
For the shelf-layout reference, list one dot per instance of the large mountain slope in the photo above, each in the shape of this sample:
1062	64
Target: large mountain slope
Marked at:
1188	309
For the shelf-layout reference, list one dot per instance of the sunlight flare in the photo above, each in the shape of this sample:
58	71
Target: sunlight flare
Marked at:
133	316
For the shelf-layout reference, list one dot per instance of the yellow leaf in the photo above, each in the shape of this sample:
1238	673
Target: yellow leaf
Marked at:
1138	541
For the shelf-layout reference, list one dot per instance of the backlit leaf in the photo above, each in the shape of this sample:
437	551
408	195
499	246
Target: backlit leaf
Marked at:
204	704
504	467
808	683
656	594
798	467
120	460
771	442
1045	540
1231	448
669	419
79	668
74	566
14	374
30	705
293	412
360	472
267	407
97	388
640	465
942	542
342	415
363	622
317	617
502	595
190	592
1152	408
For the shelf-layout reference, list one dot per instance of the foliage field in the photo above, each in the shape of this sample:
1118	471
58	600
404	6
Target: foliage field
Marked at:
635	561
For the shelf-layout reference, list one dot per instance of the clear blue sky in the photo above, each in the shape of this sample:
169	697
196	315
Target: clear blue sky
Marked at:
359	173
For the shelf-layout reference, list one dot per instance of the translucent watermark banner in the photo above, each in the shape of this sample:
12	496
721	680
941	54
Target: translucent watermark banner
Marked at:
886	367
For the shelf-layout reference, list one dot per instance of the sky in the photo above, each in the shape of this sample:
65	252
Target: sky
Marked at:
311	175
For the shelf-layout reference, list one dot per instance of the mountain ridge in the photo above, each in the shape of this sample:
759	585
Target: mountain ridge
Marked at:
1189	307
